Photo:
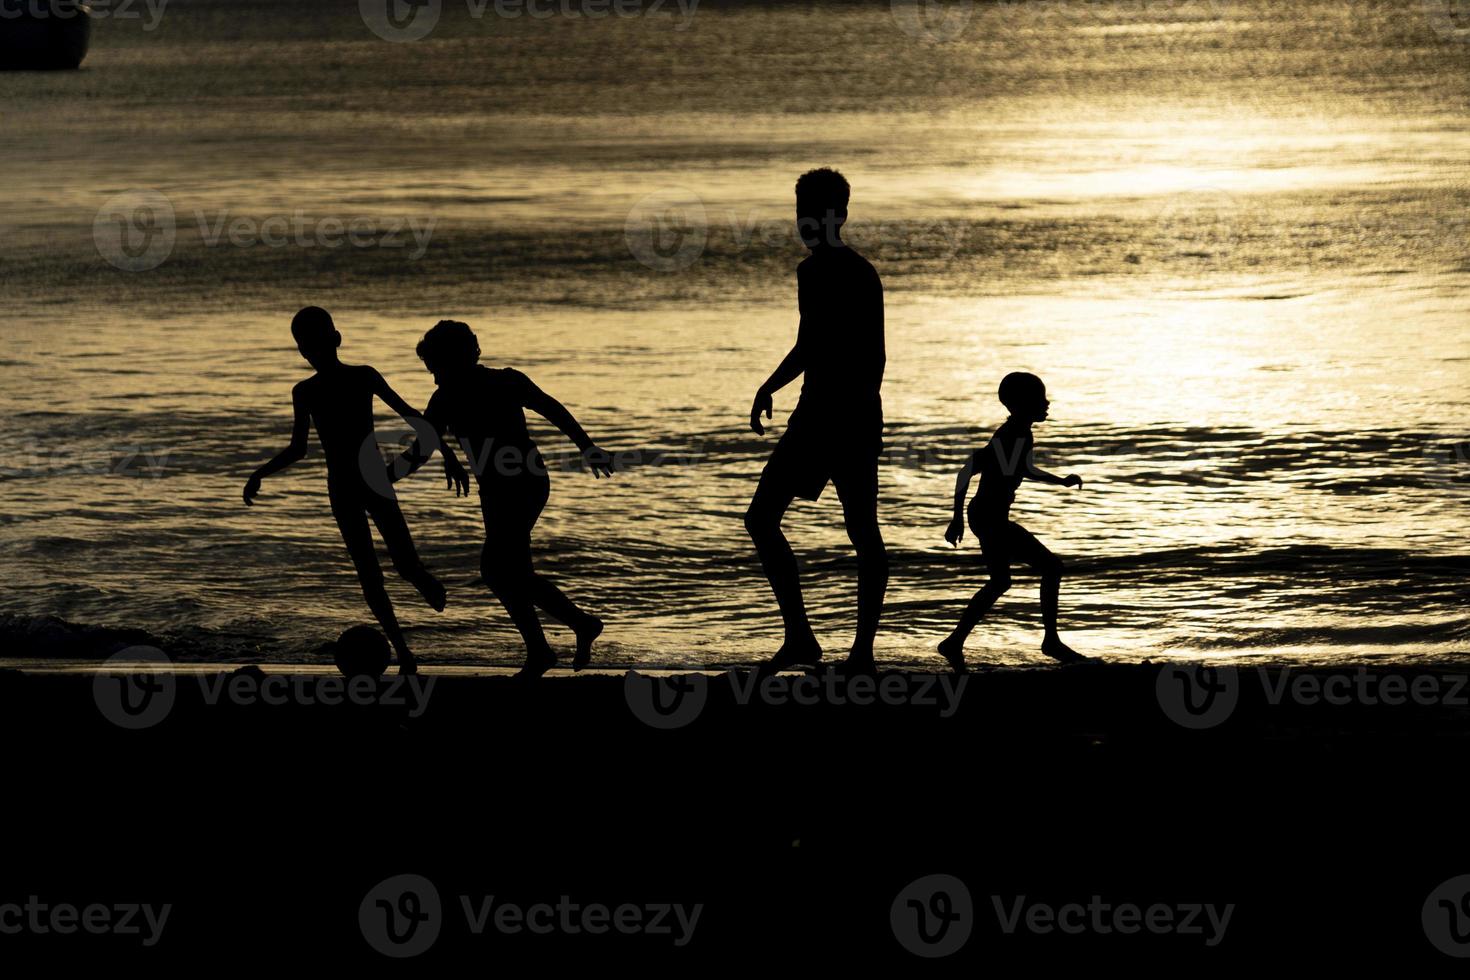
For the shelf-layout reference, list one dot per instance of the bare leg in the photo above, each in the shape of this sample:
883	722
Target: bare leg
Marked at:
953	646
998	544
1050	567
352	521
555	604
860	514
389	518
1051	587
763	521
1052	645
505	564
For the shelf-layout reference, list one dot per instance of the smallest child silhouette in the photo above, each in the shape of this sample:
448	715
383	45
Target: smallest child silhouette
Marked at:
1003	463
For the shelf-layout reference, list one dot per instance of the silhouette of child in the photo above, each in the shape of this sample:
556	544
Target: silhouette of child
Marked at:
338	399
485	409
1003	463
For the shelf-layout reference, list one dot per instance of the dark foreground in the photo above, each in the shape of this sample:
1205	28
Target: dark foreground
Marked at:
1082	816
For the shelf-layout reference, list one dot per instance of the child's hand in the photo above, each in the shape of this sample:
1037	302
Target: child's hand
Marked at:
1072	480
252	487
455	478
956	531
761	404
598	460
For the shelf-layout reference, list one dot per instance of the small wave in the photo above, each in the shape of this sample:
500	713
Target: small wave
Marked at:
1396	635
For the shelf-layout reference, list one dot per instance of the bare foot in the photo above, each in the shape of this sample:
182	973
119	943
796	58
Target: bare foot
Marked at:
1058	650
585	636
794	655
433	592
536	666
953	650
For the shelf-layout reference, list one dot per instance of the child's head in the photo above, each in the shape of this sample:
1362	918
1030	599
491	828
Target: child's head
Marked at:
316	336
449	349
821	206
1025	396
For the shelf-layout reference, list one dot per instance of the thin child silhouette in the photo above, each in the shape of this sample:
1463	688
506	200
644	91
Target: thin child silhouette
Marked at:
485	409
1003	463
835	432
338	398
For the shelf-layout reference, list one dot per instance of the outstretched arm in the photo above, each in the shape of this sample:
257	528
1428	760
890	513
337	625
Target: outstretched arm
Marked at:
786	372
417	455
956	529
300	422
1034	472
598	460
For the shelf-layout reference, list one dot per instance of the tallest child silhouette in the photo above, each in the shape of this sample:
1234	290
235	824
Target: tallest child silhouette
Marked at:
836	431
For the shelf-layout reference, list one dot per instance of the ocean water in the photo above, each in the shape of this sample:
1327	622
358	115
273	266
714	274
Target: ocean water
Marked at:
1231	236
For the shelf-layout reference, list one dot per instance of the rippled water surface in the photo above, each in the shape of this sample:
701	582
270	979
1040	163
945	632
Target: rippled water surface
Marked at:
1231	238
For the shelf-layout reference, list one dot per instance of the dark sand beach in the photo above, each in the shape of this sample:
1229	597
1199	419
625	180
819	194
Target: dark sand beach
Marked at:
1323	805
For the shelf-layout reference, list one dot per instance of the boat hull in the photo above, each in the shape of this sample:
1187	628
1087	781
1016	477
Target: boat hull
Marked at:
44	35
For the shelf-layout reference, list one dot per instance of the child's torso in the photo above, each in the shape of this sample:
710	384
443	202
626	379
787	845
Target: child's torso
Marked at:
340	403
485	415
1002	464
